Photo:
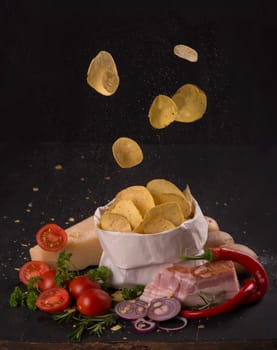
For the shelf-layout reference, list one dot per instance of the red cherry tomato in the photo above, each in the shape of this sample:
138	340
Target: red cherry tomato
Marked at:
47	280
31	269
53	300
51	237
94	302
81	283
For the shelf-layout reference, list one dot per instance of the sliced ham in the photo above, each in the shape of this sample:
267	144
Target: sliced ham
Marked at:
215	280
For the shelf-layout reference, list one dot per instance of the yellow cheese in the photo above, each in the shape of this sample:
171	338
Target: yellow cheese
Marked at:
82	242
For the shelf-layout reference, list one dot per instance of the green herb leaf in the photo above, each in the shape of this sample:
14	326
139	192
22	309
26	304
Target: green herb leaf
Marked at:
132	293
65	315
25	298
63	269
17	297
93	325
101	274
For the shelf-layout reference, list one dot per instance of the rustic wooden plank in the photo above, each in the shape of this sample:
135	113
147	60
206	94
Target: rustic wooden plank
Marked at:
231	345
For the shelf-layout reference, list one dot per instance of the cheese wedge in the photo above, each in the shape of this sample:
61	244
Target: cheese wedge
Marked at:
82	242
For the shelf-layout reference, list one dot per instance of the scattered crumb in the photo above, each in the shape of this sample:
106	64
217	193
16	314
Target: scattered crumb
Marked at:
71	219
201	326
115	328
74	234
16	221
82	179
24	245
35	189
30	205
58	167
28	210
107	177
52	219
124	338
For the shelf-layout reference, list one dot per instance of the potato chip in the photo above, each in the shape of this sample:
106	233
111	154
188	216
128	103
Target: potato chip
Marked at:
170	211
102	74
127	208
139	228
191	102
185	204
185	52
157	225
189	198
139	195
158	186
127	152
114	222
162	112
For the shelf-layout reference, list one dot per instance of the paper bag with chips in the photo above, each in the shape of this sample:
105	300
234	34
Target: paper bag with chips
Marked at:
134	258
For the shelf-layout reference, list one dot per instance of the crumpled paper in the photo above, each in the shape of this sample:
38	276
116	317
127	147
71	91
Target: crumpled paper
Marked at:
135	258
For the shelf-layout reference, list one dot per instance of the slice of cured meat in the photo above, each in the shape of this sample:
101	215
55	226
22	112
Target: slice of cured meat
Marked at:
215	281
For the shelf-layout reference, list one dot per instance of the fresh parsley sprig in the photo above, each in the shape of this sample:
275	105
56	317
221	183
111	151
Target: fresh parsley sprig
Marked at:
26	298
132	293
101	274
64	272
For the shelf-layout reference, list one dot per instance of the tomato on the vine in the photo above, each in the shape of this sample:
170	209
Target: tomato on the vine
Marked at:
51	237
53	300
47	280
81	283
94	302
33	268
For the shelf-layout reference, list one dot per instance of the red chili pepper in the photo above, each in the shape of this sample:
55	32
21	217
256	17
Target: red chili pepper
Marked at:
252	290
240	298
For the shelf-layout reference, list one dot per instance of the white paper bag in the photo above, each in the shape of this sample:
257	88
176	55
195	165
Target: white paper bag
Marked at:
135	258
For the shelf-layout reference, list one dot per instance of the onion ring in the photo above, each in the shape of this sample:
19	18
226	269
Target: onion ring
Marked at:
162	309
131	309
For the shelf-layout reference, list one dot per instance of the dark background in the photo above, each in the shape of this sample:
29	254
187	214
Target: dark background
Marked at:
46	48
50	115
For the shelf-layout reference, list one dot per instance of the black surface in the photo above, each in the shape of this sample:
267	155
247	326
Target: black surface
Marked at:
46	48
49	115
235	185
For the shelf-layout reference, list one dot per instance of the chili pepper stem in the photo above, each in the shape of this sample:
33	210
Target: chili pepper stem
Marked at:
207	255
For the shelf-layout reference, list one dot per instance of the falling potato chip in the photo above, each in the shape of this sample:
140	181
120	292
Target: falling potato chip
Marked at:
127	208
139	195
102	74
158	186
186	52
114	222
162	112
157	225
170	211
191	102
127	152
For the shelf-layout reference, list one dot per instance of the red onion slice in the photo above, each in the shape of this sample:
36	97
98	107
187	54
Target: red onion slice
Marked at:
144	326
162	309
183	324
131	309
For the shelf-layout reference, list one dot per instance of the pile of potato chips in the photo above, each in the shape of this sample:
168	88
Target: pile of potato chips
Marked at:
157	207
